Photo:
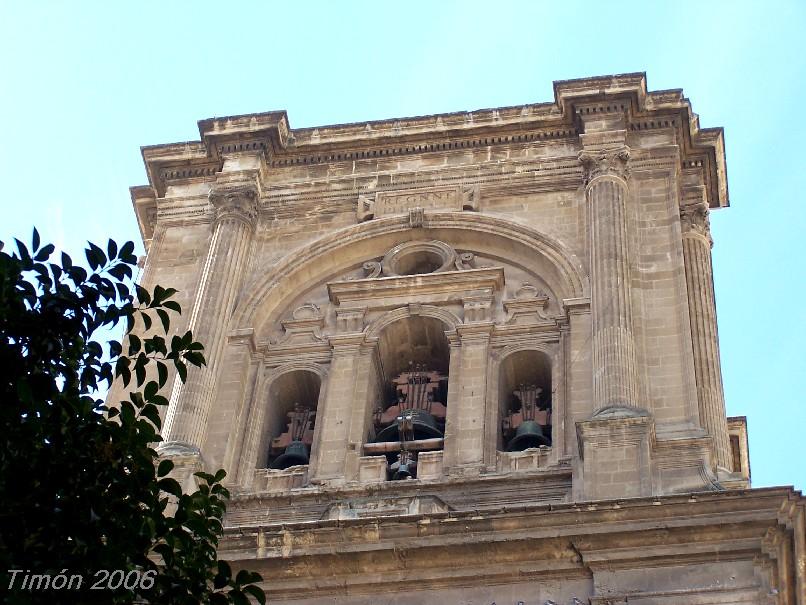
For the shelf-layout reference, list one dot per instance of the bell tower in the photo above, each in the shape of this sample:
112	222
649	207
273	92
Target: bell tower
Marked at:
467	358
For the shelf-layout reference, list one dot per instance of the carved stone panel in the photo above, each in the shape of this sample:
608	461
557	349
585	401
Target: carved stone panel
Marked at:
389	203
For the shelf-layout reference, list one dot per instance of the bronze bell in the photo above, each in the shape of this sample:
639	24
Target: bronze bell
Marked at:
295	454
529	434
424	427
404	468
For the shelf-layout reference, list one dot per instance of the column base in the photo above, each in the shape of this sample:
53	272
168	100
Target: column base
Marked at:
187	460
616	450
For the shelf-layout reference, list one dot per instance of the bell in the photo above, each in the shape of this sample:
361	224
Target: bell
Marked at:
405	468
423	423
529	434
404	471
295	454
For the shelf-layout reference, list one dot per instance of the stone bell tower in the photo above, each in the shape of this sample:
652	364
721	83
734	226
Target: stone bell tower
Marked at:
467	358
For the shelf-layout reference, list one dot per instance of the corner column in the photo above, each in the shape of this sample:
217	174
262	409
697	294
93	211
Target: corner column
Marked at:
615	375
615	443
697	245
234	198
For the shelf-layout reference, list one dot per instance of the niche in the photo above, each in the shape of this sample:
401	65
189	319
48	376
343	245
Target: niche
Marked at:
524	396
291	416
410	407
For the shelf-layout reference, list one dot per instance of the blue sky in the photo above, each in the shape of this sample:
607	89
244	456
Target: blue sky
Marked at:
84	84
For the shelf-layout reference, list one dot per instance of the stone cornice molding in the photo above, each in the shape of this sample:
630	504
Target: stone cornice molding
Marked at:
606	163
269	135
667	531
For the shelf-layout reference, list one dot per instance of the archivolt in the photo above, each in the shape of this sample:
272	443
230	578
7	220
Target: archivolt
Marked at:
323	258
446	317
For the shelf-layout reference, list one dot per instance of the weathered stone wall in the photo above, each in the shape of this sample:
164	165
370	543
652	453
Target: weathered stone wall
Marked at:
575	229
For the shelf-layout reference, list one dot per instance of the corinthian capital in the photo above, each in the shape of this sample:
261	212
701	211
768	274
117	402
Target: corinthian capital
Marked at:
605	162
235	200
694	219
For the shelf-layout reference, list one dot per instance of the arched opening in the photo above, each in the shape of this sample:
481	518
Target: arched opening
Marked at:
288	430
409	414
524	399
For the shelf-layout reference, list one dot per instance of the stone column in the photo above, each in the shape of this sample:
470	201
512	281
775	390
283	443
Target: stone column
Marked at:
697	245
615	378
234	198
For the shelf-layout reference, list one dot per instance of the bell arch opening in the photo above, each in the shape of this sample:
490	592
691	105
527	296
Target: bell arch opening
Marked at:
524	401
288	429
409	413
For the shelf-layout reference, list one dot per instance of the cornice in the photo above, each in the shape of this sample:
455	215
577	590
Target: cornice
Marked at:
476	544
270	136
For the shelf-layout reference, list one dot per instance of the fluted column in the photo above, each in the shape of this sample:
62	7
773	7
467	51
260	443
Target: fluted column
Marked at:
697	244
615	376
235	202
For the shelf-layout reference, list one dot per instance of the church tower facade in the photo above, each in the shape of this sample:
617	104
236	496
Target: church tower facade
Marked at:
467	358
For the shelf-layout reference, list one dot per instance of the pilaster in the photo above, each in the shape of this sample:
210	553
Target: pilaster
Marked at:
697	244
467	388
234	202
605	159
340	429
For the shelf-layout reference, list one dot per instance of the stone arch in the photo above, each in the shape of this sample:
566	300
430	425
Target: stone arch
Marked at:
390	317
259	413
552	352
319	260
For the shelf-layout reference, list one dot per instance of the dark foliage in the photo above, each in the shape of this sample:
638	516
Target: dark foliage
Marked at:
81	486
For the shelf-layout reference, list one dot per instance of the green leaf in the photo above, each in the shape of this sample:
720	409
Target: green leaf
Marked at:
165	467
225	570
150	389
112	249
44	253
140	369
242	577
256	591
146	321
162	371
35	240
238	598
170	486
166	321
134	344
126	250
151	412
182	370
142	294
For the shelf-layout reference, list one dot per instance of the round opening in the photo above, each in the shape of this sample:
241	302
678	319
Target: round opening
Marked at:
415	263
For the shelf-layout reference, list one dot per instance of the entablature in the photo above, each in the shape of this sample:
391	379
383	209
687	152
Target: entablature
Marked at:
576	103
